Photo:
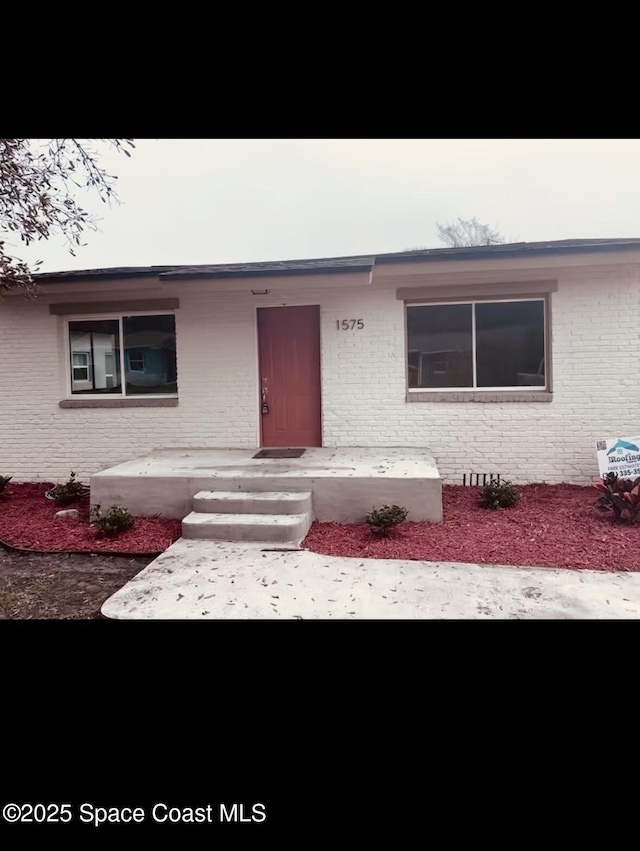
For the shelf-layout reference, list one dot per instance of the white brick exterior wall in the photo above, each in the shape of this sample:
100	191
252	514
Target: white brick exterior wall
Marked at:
596	360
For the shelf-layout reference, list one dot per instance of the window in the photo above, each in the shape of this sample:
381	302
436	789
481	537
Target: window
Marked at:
480	345
80	366
136	361
123	356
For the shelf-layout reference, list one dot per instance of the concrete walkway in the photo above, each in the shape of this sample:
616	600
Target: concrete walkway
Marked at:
207	580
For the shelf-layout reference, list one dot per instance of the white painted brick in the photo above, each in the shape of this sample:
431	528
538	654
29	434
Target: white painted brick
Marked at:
596	365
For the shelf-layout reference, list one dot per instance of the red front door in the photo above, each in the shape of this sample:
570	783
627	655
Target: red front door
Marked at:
289	350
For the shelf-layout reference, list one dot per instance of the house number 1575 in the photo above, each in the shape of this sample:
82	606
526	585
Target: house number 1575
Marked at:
349	324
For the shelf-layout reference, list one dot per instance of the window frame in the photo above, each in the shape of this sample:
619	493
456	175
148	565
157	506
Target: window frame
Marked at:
85	317
139	356
86	366
521	390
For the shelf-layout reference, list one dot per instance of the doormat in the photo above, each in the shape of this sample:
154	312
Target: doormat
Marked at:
279	453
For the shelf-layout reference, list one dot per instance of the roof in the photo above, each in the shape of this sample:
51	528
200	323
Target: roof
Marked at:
356	263
359	263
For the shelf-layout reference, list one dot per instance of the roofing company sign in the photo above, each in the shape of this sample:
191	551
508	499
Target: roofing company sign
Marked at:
619	455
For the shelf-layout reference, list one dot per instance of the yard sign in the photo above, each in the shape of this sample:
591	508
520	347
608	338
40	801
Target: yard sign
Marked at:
619	455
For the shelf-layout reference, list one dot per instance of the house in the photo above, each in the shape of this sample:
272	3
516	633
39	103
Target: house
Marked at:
505	358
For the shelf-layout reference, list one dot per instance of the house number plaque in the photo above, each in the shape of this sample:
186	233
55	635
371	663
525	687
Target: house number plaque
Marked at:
349	324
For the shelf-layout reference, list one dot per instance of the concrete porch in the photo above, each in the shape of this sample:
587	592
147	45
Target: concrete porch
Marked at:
345	483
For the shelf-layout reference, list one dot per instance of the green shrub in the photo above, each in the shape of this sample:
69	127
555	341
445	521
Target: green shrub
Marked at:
113	522
499	494
71	491
382	520
622	496
4	481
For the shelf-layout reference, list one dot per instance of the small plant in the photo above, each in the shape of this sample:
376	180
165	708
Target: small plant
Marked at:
382	520
499	494
622	496
113	522
4	481
71	491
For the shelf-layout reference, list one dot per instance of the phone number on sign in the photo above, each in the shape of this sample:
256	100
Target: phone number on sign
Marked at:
160	813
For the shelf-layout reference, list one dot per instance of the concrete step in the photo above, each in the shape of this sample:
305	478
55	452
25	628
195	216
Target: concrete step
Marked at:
266	528
253	502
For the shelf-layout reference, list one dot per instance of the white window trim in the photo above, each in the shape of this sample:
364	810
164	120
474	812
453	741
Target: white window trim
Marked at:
86	365
108	316
518	388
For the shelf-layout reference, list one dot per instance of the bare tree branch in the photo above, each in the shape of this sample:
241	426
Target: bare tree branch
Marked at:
463	233
37	182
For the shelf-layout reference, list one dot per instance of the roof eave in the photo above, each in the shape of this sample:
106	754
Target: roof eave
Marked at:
56	277
462	254
265	273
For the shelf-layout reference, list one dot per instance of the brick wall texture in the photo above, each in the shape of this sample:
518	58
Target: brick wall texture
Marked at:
595	326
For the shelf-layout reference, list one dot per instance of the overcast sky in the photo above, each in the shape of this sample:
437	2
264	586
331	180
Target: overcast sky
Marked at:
225	201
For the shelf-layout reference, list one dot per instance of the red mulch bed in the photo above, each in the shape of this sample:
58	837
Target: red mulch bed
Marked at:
552	526
27	521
